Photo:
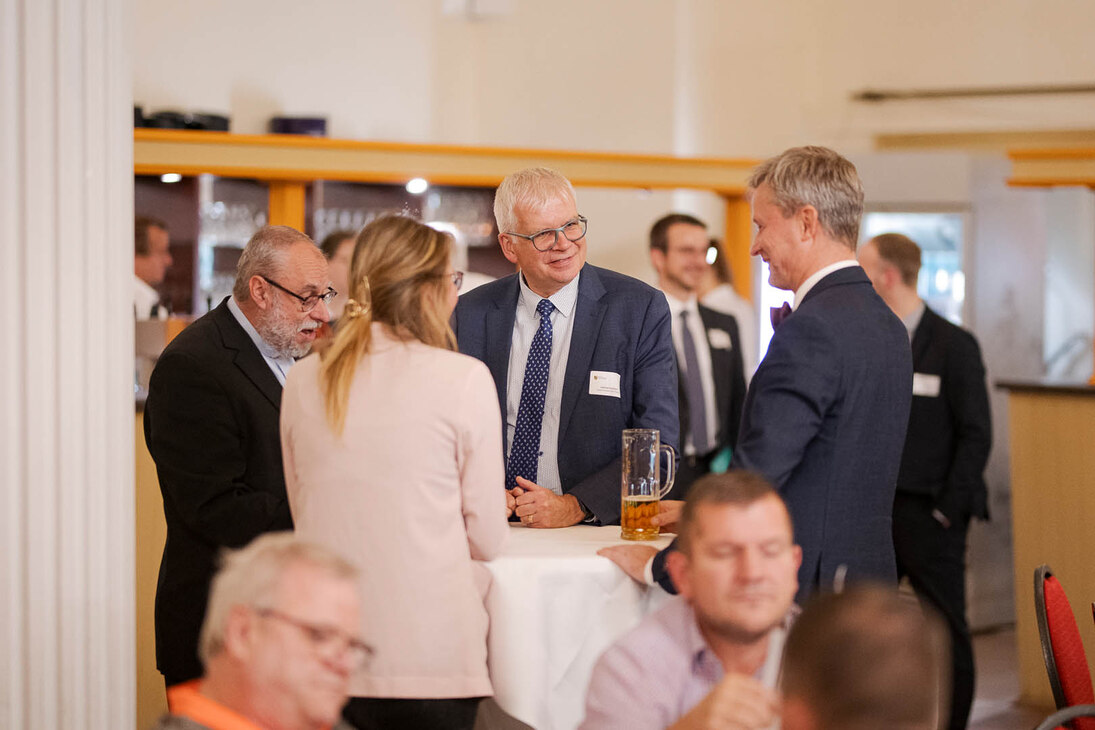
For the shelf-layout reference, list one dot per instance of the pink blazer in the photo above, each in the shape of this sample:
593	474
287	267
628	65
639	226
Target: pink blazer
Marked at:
413	492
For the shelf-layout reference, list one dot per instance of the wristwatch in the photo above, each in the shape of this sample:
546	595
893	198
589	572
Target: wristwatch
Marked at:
588	518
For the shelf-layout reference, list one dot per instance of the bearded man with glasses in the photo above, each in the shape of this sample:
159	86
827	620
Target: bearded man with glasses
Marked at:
211	425
578	353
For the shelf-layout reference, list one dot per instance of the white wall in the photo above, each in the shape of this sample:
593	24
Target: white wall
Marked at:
689	76
368	66
1006	291
1070	282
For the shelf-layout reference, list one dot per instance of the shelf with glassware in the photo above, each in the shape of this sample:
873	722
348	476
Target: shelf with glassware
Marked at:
289	165
211	218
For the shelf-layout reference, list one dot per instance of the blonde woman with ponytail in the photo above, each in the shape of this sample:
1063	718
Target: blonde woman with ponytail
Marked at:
393	458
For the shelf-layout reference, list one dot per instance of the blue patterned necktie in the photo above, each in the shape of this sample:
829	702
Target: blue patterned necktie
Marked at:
697	404
524	454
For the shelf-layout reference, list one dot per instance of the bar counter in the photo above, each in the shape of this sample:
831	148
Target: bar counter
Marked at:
1052	432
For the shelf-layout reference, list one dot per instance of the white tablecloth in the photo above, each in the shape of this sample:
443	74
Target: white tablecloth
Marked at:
554	606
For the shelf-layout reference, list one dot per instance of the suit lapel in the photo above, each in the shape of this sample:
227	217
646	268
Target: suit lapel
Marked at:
498	338
246	356
588	314
721	365
922	336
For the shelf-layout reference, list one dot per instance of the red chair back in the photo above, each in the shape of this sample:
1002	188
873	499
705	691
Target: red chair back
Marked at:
1062	647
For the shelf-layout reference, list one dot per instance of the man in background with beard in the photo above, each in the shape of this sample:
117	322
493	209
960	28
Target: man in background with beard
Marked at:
211	425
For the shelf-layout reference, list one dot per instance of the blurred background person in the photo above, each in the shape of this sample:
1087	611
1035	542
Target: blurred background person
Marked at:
720	295
279	642
710	381
393	456
338	247
151	260
863	660
941	484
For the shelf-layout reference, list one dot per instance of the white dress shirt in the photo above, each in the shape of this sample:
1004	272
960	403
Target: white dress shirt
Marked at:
913	320
703	357
144	298
525	325
279	364
724	299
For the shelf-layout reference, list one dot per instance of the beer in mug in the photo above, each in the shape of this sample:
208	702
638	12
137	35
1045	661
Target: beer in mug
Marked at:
640	487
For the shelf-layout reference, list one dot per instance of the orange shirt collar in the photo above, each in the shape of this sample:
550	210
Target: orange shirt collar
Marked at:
186	700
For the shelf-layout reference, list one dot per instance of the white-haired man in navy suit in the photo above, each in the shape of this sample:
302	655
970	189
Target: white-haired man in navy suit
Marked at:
578	354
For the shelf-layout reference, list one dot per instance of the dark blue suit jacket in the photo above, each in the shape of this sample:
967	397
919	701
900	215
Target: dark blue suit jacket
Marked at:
621	325
824	420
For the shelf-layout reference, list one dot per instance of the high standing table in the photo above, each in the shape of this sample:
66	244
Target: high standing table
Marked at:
554	606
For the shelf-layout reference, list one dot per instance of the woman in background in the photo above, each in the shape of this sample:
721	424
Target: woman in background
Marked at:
393	457
720	295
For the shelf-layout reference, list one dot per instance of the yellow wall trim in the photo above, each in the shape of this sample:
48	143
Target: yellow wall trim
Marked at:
299	158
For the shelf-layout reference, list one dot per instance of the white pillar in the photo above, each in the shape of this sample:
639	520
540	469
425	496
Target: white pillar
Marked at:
66	365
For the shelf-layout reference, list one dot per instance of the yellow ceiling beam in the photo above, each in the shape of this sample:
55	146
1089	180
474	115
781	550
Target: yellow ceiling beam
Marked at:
298	158
985	141
1052	167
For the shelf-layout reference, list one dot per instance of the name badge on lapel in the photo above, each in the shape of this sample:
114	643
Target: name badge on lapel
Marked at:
926	385
602	382
719	339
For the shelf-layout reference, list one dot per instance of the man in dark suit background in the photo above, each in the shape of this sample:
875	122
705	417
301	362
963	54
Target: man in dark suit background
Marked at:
711	378
825	414
578	354
941	483
211	424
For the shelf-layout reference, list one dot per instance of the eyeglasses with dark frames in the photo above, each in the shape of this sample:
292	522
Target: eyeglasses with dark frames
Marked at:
308	303
545	240
328	640
457	278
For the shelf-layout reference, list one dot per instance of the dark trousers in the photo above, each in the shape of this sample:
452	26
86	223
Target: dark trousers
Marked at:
376	713
934	559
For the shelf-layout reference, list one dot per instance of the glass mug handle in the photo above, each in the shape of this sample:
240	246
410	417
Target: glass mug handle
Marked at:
670	470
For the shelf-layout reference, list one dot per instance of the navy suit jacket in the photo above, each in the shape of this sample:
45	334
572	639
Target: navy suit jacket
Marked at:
824	421
621	325
211	425
950	432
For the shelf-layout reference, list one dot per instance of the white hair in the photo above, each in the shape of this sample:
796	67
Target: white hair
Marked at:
251	576
531	188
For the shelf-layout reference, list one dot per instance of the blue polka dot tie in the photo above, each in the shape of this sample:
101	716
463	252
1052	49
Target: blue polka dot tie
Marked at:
524	454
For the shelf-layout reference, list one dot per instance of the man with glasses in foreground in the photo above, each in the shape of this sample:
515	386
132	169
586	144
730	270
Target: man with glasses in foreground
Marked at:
279	641
211	425
578	354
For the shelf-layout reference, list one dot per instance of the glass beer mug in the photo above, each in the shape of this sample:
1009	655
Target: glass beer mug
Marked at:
640	492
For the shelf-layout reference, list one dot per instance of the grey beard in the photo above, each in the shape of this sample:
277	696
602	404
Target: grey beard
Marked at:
279	332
